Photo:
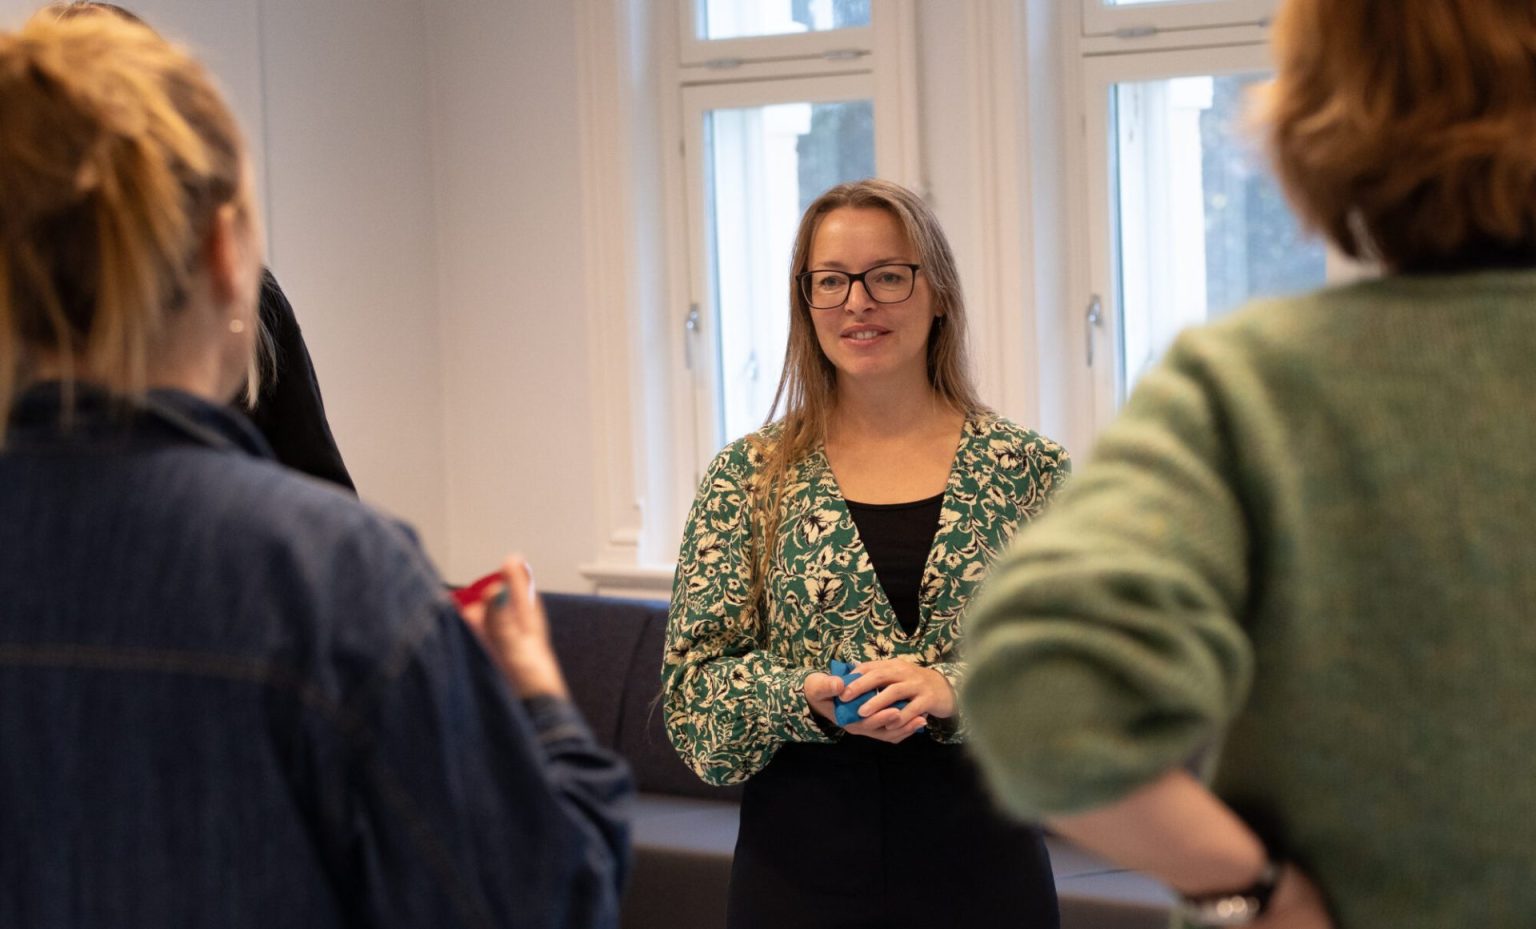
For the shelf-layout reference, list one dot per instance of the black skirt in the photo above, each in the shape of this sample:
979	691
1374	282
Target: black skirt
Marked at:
862	833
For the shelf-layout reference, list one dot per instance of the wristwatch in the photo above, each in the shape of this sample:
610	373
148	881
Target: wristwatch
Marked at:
1242	908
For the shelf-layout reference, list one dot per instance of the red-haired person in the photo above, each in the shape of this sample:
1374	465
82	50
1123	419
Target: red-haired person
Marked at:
1307	545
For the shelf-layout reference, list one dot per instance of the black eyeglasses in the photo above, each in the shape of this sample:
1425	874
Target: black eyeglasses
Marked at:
825	290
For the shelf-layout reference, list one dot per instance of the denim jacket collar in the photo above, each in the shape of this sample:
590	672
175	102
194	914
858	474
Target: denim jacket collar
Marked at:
38	418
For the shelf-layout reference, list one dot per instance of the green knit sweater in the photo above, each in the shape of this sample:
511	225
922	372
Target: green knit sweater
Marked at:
1310	542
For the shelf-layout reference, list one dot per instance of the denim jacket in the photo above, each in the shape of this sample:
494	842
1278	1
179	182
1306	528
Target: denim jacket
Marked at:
231	696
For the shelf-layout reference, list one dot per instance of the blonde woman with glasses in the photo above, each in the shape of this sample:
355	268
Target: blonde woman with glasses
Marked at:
851	532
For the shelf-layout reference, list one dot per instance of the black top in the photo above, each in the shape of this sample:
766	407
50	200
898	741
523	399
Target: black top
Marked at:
288	410
898	537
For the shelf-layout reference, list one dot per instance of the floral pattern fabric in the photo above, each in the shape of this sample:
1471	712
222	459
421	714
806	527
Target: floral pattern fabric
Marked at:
733	671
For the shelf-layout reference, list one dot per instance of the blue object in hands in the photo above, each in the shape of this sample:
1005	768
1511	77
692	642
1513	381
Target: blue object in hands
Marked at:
848	713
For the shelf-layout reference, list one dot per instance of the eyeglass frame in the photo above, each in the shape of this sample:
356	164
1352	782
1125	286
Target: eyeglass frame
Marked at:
805	276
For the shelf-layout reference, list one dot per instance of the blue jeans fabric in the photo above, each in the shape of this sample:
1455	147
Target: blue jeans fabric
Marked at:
232	696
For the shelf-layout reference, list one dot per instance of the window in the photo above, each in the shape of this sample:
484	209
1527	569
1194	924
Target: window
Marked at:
1202	225
762	165
777	100
707	125
1184	221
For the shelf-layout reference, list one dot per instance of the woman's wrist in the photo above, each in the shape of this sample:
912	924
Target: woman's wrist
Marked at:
945	703
535	678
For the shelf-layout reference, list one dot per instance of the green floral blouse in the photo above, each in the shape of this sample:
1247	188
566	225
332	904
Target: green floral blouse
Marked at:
732	682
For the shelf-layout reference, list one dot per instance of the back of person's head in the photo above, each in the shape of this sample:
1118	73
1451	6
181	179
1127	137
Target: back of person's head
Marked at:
116	153
1405	130
92	7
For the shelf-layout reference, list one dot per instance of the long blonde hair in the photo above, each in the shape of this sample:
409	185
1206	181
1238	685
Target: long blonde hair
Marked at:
116	152
807	391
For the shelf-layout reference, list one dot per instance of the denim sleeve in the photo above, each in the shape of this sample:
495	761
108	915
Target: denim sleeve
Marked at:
469	807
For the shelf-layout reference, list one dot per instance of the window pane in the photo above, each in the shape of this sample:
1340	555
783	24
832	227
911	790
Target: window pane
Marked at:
730	19
766	165
1203	226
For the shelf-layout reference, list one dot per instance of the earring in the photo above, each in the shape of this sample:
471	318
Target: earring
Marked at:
236	326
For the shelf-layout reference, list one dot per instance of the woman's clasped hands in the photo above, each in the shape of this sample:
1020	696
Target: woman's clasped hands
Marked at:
926	691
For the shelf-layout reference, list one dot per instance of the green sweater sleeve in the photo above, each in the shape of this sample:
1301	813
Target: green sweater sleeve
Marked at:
729	704
1105	648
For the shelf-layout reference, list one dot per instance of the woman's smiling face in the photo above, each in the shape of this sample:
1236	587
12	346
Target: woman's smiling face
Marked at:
865	339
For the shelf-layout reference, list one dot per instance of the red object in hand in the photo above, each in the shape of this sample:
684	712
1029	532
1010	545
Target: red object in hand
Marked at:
475	592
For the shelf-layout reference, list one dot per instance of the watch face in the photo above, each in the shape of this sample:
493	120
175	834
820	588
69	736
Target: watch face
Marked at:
1230	910
1234	909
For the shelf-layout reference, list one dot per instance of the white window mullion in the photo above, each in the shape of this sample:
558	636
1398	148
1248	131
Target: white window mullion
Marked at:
751	107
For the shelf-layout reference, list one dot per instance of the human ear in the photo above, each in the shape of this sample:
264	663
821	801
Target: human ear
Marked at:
223	254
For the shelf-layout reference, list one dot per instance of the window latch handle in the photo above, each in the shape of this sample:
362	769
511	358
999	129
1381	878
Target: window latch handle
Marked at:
690	329
1095	319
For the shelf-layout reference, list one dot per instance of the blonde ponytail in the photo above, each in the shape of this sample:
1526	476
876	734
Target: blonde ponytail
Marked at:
115	154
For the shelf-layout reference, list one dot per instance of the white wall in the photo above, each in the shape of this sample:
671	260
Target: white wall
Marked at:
424	184
333	98
353	232
511	283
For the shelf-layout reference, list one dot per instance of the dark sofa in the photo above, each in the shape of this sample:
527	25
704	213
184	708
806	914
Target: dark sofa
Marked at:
685	830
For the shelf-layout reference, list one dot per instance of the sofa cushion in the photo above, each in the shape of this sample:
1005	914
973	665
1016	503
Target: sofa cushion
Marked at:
1095	894
683	852
642	730
699	827
597	640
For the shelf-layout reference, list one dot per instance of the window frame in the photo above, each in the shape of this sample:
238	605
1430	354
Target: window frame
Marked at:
1098	18
1024	66
1100	75
761	71
702	340
1096	69
828	44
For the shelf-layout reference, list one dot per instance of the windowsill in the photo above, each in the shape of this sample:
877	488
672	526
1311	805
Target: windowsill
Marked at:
645	582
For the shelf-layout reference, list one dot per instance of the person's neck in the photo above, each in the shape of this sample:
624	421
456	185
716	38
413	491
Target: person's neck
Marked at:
888	410
199	379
